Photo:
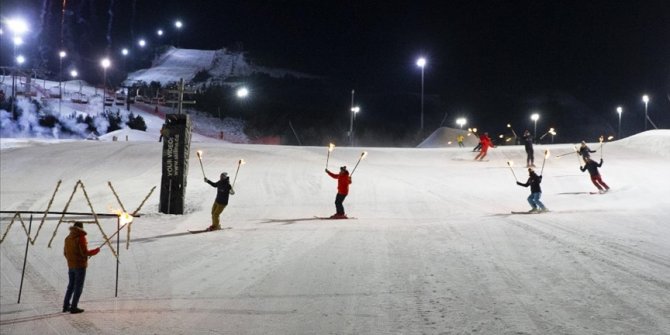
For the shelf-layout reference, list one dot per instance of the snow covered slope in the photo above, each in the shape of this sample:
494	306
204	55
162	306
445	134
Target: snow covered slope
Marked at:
434	249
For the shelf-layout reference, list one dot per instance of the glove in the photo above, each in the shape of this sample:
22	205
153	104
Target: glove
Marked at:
601	161
95	251
518	183
205	180
326	170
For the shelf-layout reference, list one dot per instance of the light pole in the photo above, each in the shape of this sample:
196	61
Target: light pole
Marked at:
535	117
461	122
105	63
421	62
354	110
645	99
61	55
619	110
178	24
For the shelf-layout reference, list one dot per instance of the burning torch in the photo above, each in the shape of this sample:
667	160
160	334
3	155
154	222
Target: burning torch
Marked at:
330	148
546	154
240	162
510	163
199	152
363	154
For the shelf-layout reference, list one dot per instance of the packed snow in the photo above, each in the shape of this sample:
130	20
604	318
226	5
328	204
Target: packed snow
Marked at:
433	248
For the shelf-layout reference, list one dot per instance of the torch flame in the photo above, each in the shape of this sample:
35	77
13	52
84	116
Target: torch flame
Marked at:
199	152
363	154
546	154
331	146
242	162
601	138
510	163
509	125
610	138
123	216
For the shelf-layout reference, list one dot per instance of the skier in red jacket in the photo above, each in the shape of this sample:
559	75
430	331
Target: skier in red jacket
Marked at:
343	181
485	140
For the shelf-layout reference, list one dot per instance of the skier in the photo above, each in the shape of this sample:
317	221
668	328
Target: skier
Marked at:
343	181
460	139
485	141
528	143
585	151
223	190
535	192
76	252
592	166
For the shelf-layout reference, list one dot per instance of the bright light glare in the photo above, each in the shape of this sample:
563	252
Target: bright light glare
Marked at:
17	40
17	26
142	43
619	110
461	121
160	32
74	73
645	98
124	52
535	117
62	54
356	109
421	62
105	63
242	92
20	59
178	24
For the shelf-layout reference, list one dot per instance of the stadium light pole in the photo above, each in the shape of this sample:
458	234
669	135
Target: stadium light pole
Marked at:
105	63
461	121
619	110
645	99
535	117
421	62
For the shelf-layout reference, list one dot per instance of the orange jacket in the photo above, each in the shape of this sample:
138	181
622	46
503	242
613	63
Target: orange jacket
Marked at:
343	181
76	249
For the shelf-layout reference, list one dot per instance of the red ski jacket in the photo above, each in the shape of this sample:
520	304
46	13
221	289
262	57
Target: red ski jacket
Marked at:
343	181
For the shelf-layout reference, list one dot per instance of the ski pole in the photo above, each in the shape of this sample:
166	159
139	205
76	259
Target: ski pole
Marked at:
363	154
330	148
240	162
199	152
510	163
546	154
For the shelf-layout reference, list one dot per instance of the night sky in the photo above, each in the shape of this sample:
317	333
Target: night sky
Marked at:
491	61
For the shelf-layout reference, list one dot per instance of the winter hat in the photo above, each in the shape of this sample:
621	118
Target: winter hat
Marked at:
224	175
78	225
343	168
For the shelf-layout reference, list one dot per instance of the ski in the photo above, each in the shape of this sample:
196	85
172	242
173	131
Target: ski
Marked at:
526	212
207	231
329	218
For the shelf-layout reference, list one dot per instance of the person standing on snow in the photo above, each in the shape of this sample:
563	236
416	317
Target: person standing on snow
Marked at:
585	151
485	141
592	166
343	181
76	252
460	139
223	191
535	191
528	144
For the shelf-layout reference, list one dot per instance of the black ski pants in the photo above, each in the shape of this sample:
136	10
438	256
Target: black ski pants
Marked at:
339	199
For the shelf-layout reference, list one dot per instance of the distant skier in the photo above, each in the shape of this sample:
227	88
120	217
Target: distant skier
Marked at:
76	252
592	166
528	144
486	142
585	151
460	139
343	181
535	191
223	191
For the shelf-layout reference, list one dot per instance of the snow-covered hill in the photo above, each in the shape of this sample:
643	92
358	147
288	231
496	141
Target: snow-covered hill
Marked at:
434	249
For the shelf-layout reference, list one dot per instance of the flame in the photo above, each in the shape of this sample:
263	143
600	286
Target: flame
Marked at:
474	130
601	138
509	125
241	162
510	163
363	154
331	146
610	138
199	152
508	139
124	217
546	154
449	142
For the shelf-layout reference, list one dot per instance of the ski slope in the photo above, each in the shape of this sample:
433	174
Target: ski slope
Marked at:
434	249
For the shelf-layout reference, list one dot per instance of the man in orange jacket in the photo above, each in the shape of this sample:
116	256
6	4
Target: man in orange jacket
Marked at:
343	181
76	252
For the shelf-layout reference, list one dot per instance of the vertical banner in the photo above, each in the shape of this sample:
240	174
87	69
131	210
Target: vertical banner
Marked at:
176	148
